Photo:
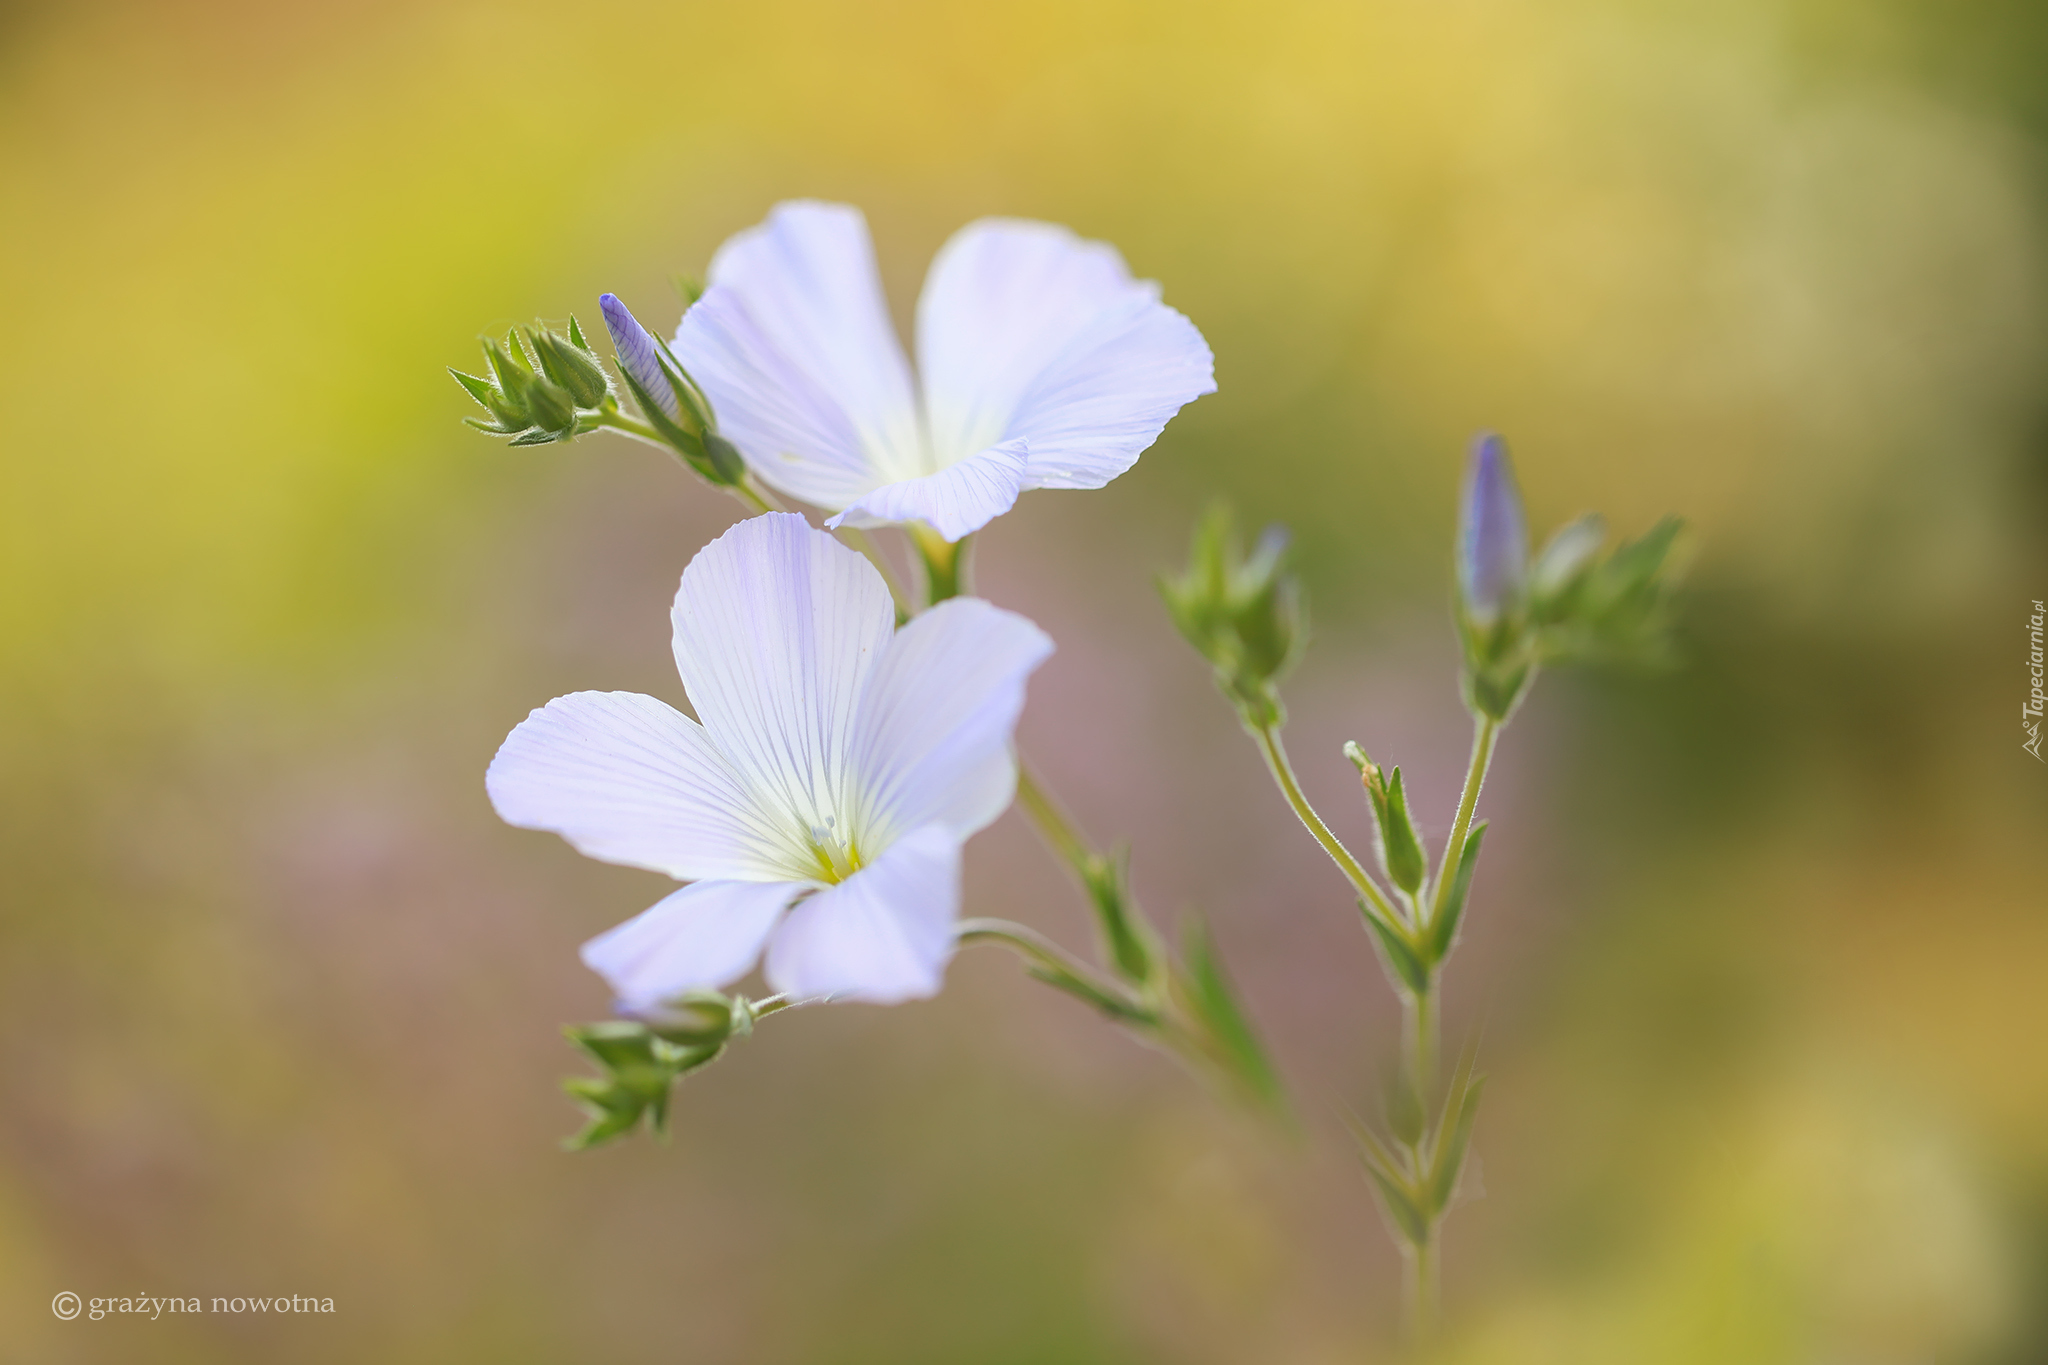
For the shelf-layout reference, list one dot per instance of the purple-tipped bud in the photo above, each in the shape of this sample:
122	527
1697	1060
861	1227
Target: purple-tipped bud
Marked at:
639	356
1493	540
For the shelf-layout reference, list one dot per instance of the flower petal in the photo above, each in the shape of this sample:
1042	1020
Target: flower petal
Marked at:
629	779
1025	331
793	345
705	936
884	934
777	629
957	501
936	723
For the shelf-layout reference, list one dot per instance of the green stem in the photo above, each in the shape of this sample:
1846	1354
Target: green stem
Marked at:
754	498
1052	822
1127	937
1268	739
1419	1029
1486	730
1423	1270
945	562
1056	967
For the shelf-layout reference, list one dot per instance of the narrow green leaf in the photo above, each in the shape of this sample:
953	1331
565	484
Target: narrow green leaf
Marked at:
1450	1157
1443	930
1215	1003
1400	1205
1400	849
1396	952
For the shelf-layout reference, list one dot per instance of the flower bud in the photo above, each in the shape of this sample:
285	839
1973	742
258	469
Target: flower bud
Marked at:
639	355
1400	846
1243	615
1493	540
550	406
693	1019
571	365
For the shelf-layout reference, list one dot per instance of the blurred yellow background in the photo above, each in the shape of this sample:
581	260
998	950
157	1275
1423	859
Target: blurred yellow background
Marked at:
1758	949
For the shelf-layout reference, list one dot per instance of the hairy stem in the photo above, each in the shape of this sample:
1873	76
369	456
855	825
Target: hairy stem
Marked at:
753	497
1052	822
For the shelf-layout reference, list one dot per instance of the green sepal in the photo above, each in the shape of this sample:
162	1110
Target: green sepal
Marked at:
616	1044
701	1018
1402	963
688	288
689	446
727	464
571	368
1208	996
1443	930
539	438
481	390
576	336
685	388
508	366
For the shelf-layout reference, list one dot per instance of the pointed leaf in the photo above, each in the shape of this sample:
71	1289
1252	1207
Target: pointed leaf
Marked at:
1209	992
1450	1157
1399	1204
1443	930
1396	952
1400	849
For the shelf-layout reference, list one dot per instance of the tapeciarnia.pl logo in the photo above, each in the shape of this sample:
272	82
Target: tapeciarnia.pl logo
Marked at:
2030	714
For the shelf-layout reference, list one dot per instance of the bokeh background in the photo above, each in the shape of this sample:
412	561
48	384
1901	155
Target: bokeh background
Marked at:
1759	946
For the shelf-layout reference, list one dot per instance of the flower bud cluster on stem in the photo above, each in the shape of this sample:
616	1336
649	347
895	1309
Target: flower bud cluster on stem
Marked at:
1243	614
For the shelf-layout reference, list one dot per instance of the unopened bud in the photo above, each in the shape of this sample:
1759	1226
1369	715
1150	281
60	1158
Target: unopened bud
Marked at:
1493	540
639	355
573	368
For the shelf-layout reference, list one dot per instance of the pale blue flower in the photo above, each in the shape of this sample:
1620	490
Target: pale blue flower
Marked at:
819	808
1041	364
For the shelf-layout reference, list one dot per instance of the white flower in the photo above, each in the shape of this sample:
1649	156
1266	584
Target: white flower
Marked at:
1044	365
839	766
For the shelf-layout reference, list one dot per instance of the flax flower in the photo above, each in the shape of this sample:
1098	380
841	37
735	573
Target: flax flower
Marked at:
818	804
1042	364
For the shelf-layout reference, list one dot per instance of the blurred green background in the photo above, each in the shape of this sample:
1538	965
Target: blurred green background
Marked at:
1759	947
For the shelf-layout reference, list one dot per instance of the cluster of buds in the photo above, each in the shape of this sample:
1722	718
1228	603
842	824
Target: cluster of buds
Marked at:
1570	605
643	1058
543	386
1243	614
